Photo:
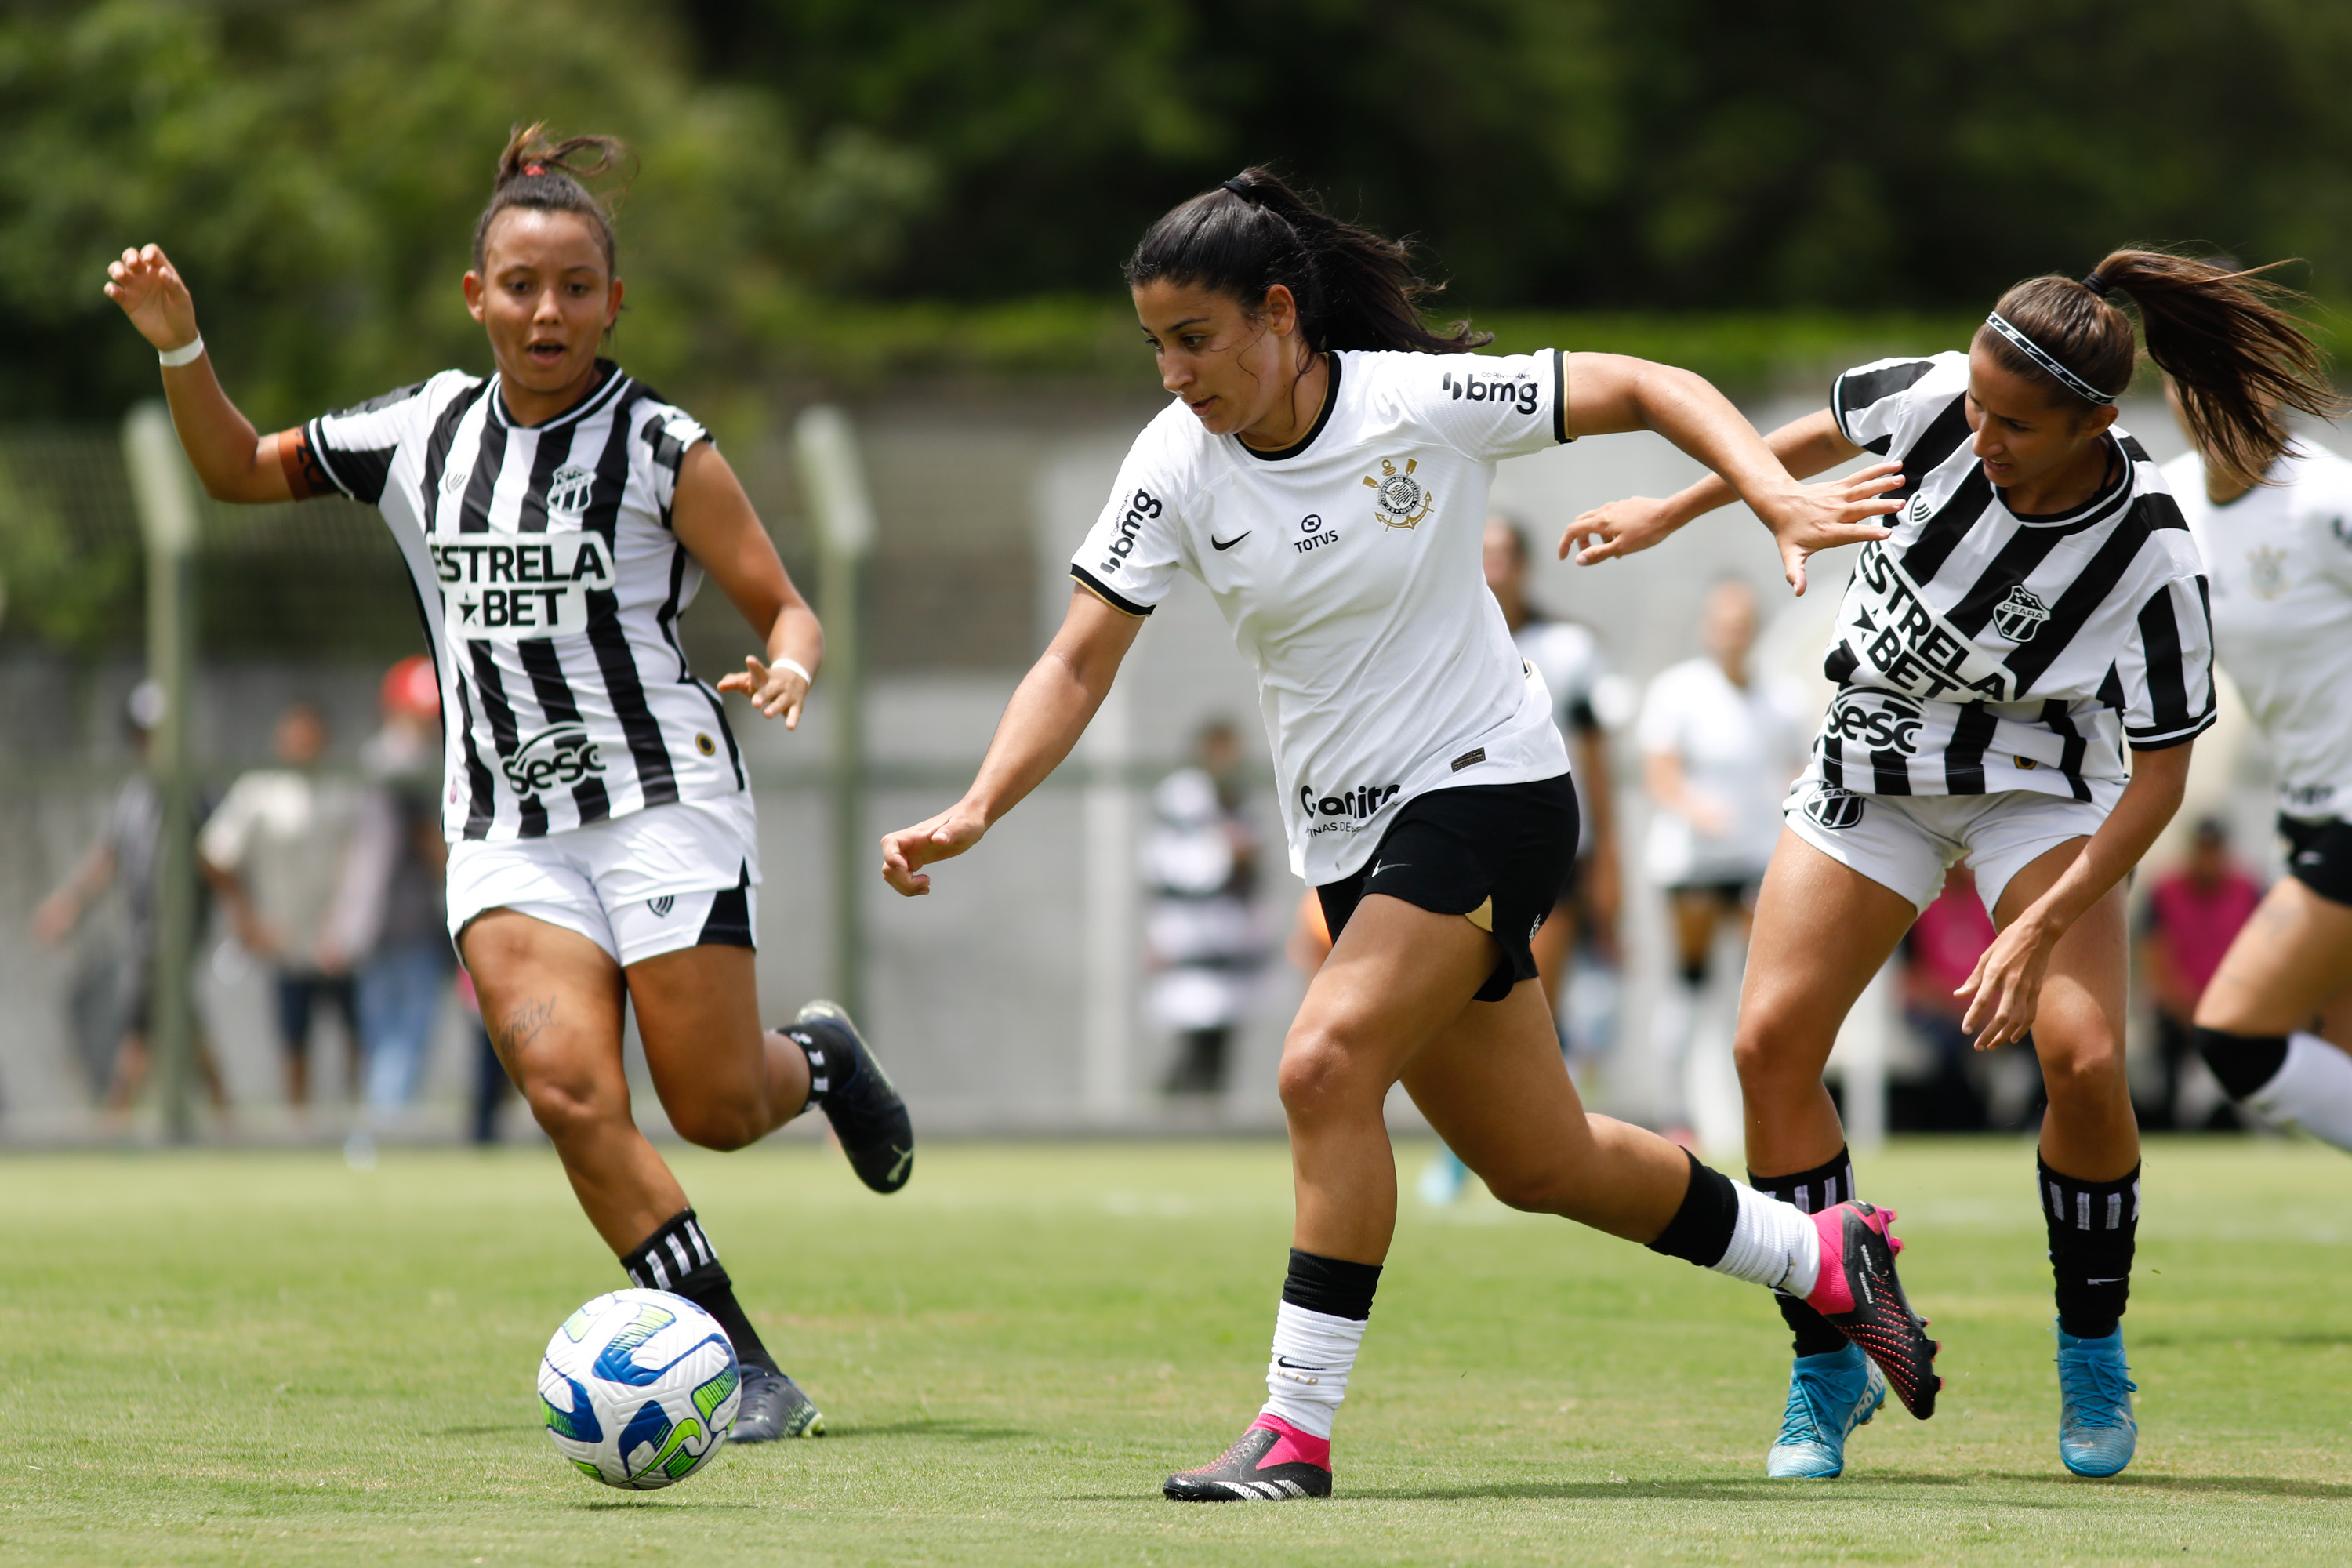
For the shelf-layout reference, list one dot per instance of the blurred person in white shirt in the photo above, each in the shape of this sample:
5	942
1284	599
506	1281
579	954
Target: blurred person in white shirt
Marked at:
1720	741
275	853
1202	929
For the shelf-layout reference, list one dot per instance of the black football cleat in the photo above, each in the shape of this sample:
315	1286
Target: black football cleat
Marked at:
1858	1292
858	1097
773	1406
1272	1462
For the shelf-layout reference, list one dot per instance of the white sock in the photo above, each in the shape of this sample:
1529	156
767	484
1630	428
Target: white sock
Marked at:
1774	1244
2311	1089
1308	1375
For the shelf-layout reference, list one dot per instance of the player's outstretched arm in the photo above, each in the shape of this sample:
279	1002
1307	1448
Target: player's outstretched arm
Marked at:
1048	714
714	520
1610	393
233	462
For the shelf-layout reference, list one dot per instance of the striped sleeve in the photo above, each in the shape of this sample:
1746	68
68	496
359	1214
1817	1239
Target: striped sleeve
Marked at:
667	432
355	447
1869	401
2165	672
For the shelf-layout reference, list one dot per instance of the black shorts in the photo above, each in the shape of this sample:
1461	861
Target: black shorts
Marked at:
1499	854
2319	855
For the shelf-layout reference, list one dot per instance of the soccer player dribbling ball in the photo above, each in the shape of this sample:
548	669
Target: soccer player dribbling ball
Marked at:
603	853
2039	609
2275	1022
1324	472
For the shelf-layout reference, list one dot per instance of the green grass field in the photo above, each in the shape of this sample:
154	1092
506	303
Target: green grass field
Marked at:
270	1358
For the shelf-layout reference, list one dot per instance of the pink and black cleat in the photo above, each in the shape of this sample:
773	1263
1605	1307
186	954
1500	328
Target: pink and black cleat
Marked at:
1272	1462
1858	1292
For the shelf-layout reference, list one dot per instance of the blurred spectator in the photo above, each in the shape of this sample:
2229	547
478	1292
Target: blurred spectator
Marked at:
275	852
2192	915
388	921
492	1088
1719	744
129	855
1939	953
1200	859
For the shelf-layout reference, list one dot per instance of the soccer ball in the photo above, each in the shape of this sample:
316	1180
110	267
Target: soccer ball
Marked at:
640	1388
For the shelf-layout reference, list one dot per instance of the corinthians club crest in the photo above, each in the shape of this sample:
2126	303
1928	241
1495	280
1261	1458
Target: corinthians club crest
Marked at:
1398	500
2019	616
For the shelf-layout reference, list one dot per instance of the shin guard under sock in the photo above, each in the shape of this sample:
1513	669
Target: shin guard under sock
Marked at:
1318	1329
678	1259
1824	1186
2093	1228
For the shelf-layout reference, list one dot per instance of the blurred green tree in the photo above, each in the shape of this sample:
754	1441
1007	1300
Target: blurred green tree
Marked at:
315	171
1599	153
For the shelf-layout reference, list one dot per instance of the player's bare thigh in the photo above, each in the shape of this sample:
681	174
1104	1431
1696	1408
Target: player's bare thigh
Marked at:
1822	931
2292	961
551	1000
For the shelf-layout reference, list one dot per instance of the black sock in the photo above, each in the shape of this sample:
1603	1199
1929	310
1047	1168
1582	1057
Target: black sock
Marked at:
2242	1062
828	1068
1331	1286
1701	1230
679	1259
2093	1228
1822	1187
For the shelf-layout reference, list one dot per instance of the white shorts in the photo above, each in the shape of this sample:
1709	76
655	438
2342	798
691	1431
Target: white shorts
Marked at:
1905	841
657	880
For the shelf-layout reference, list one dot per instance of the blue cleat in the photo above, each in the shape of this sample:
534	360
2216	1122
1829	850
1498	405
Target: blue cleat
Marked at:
1442	1179
2097	1431
1829	1396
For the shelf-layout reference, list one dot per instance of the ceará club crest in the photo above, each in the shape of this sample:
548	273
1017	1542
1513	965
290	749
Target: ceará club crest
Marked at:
1398	500
2019	616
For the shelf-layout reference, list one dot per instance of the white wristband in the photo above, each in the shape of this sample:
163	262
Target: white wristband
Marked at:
186	353
796	666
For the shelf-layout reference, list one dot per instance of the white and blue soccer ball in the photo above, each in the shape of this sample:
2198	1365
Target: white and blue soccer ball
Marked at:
640	1389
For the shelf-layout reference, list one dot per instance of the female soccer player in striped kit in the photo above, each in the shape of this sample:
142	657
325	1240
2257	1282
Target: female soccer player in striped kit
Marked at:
555	517
2039	610
2277	1021
1324	473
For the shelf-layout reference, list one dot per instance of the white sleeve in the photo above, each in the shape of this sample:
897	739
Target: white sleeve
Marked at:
2327	523
1132	553
1485	405
229	830
1873	403
1659	727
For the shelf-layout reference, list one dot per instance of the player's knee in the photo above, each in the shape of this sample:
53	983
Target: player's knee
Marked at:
1531	1191
2086	1067
1761	1049
566	1109
1319	1076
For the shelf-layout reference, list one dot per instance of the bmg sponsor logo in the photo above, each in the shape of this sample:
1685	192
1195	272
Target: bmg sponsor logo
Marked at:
559	754
1881	720
1349	812
1140	506
1521	394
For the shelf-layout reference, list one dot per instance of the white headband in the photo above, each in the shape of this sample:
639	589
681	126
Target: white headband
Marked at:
2047	361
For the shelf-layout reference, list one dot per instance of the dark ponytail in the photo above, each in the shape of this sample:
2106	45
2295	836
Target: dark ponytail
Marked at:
2235	356
547	176
1355	288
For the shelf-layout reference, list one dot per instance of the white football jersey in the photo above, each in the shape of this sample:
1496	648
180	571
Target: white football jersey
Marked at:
1738	747
2280	561
551	586
1568	657
1979	650
1347	567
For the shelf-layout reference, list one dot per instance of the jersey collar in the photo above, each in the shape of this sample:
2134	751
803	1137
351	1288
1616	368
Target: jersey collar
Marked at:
1330	400
599	396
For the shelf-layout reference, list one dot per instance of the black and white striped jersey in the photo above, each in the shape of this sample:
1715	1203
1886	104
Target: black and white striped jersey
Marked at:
1977	650
551	586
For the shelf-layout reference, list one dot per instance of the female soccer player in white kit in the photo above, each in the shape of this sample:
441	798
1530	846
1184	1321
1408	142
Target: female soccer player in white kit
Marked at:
556	518
2274	1023
1324	473
2039	610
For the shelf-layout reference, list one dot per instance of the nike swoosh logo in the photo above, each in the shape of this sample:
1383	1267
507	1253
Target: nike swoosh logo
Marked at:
1379	866
1228	544
905	1156
2117	1282
1298	1366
